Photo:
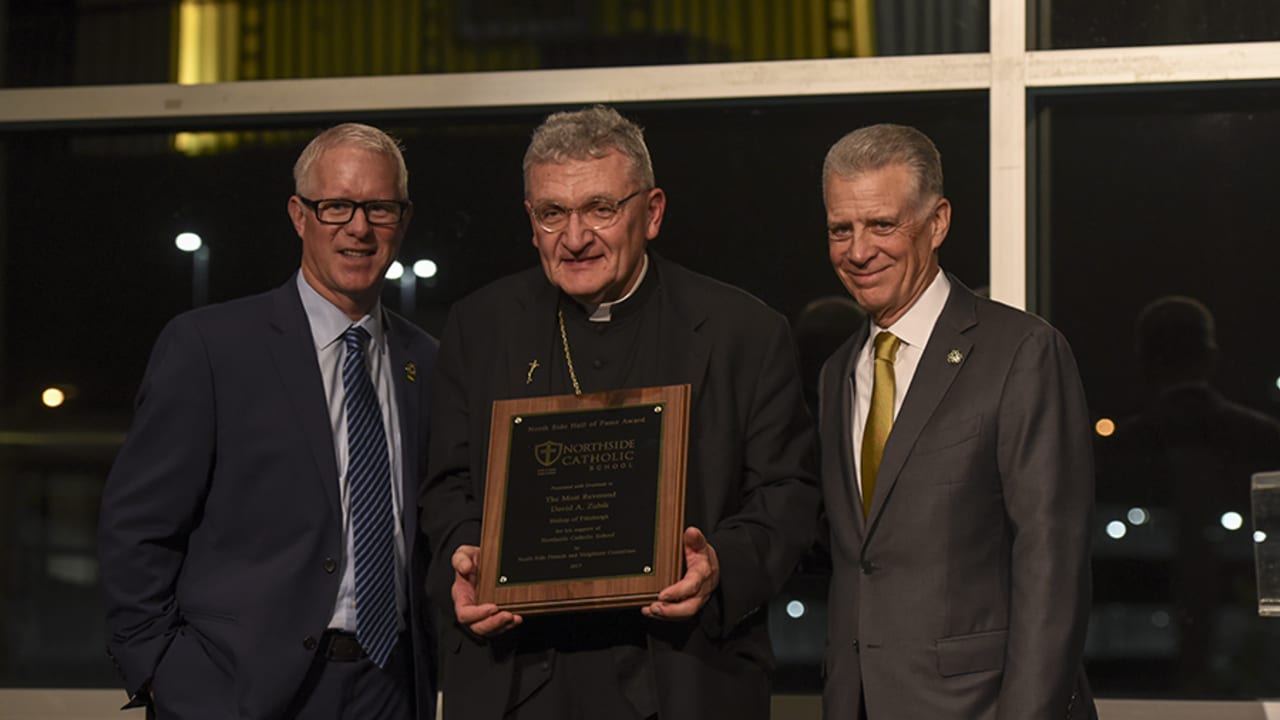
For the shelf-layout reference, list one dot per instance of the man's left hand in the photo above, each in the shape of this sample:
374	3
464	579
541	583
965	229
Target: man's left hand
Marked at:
701	577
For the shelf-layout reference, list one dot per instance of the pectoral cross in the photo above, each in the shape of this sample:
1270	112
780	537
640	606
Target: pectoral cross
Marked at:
533	365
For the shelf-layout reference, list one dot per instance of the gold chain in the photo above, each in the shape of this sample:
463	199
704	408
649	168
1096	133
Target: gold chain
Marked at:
564	338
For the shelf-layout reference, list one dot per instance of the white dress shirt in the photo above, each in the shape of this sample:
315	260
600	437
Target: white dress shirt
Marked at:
328	324
913	329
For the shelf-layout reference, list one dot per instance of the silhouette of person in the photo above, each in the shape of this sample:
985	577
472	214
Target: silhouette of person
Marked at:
1188	456
821	327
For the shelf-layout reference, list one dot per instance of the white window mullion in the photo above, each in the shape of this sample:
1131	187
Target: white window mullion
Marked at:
247	99
1008	122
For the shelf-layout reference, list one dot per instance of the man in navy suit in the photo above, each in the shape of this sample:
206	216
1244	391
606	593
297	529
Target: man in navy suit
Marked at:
246	573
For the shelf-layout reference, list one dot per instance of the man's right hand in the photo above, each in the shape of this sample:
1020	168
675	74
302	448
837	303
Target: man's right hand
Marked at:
485	620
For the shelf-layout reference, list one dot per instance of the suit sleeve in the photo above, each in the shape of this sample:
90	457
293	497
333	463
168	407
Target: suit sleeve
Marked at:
152	500
1046	467
760	544
450	509
822	542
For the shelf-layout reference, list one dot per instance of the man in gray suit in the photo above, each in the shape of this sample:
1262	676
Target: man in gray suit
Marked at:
957	469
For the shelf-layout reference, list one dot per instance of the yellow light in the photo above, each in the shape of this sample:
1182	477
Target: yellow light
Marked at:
52	397
1104	427
207	52
864	32
189	20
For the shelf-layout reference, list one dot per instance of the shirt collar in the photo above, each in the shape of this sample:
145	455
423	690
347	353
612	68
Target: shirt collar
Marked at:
604	311
916	325
328	323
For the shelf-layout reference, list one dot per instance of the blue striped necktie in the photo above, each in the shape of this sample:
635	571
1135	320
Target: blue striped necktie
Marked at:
369	483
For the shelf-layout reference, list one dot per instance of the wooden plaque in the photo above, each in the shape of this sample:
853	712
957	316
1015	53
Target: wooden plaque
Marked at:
584	500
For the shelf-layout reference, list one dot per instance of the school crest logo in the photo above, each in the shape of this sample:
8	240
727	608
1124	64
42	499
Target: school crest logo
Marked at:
548	453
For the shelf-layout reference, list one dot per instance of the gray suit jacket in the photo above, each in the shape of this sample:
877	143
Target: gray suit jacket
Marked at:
965	592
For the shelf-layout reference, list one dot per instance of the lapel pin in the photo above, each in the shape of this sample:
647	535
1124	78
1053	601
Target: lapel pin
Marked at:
533	365
411	371
954	357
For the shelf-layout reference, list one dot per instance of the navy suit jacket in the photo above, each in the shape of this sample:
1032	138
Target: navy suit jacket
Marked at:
220	531
751	478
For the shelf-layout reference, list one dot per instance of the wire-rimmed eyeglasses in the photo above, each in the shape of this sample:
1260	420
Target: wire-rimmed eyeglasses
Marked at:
596	214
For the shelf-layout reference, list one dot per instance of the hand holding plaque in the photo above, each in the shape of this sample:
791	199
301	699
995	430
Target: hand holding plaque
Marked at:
702	575
483	619
584	500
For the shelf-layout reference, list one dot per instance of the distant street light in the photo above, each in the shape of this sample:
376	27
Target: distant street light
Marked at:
425	269
190	242
53	397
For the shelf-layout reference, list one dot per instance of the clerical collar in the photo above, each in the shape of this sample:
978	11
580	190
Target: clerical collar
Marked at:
604	311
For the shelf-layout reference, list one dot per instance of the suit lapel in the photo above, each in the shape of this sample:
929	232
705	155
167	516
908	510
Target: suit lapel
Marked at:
293	351
533	343
685	351
932	379
844	387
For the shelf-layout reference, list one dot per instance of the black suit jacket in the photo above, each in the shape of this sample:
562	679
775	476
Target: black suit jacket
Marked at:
964	594
221	521
751	477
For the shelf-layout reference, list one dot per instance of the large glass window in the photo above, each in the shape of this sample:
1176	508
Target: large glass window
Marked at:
1157	264
90	272
1110	23
1147	245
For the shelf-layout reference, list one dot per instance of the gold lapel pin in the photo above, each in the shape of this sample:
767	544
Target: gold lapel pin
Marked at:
533	365
954	357
411	371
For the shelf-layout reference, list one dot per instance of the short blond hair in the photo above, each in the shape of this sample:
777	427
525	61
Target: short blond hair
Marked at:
366	137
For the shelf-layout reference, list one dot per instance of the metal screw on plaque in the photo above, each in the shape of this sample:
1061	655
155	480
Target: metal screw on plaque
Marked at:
647	570
502	578
657	408
518	420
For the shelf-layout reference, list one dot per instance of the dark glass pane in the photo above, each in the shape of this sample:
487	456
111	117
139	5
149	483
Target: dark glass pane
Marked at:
1148	196
1110	23
64	42
90	273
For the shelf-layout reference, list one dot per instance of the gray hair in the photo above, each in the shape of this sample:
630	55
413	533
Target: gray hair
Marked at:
877	146
365	137
588	134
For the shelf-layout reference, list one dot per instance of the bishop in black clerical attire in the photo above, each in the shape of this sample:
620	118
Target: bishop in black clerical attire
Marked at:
601	313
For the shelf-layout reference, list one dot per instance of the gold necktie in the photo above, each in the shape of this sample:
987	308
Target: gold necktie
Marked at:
880	418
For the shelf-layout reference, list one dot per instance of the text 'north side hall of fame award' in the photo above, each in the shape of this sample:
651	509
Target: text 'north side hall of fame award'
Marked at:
584	500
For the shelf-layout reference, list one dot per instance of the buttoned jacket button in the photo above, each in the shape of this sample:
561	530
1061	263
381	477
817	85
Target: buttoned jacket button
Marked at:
330	565
309	643
868	567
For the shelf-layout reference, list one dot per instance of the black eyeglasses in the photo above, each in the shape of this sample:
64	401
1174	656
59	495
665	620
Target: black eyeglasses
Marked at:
597	214
338	211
